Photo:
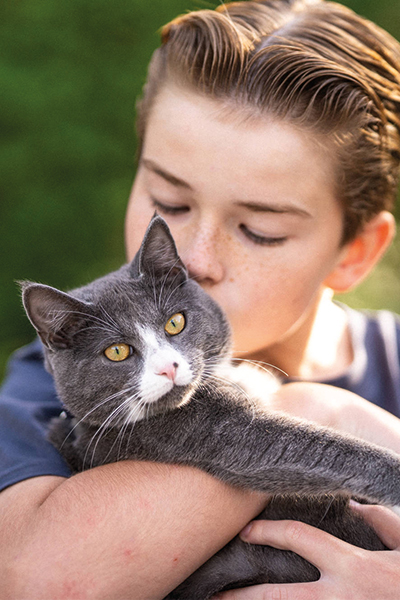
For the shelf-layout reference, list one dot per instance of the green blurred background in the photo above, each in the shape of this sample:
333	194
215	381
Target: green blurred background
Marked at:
70	73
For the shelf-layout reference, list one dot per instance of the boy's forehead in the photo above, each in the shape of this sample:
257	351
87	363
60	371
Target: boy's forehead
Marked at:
256	160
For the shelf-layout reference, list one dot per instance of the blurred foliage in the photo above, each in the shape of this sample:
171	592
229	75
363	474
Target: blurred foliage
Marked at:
70	73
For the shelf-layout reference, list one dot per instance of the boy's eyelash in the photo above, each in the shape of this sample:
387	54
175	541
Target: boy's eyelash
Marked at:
262	240
256	239
169	210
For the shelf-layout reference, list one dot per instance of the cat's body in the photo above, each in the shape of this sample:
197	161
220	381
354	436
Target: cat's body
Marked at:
159	397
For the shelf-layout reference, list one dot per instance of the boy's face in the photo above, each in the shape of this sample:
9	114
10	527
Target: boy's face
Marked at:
252	207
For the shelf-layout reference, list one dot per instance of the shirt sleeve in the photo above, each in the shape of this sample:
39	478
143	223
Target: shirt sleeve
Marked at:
375	371
28	401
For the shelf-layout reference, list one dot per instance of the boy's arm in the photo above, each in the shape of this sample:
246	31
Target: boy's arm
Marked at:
126	530
340	409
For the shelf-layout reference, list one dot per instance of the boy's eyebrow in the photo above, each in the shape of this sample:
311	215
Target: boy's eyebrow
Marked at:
260	207
152	166
264	207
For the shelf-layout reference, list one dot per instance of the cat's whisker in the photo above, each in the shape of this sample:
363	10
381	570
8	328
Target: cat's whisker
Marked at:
131	423
121	435
212	377
258	365
99	432
134	412
110	319
109	418
114	334
194	277
175	289
164	282
261	365
237	386
110	327
115	413
326	512
96	407
154	287
61	313
214	361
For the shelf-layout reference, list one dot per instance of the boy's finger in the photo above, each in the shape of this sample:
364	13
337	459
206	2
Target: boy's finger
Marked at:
384	521
316	546
288	591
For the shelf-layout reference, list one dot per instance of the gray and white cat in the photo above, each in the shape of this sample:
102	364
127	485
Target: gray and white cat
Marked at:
136	357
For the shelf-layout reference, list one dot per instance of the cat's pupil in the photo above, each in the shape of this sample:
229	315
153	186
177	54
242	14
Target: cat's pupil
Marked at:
117	352
175	324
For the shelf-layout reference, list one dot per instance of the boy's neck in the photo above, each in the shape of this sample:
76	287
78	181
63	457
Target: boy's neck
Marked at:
320	349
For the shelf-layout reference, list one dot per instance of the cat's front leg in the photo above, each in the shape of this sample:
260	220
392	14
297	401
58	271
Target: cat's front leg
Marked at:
274	453
220	432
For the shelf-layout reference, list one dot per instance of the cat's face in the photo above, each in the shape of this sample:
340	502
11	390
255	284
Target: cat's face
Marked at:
133	343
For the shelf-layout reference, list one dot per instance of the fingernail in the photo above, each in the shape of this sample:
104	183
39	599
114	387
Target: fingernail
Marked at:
354	503
245	532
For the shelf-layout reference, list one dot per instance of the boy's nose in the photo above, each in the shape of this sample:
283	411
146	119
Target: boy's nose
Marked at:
203	256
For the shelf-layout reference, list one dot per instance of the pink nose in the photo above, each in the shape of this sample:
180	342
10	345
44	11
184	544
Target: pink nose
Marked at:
169	371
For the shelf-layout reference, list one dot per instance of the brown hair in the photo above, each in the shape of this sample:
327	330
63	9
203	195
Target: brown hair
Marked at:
315	64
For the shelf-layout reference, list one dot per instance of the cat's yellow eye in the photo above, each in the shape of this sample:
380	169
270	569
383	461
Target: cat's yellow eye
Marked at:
175	324
118	352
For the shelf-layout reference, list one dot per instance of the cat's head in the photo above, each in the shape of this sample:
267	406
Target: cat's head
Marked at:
133	343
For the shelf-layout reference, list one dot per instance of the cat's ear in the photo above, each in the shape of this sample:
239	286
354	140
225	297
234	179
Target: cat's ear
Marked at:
55	315
158	256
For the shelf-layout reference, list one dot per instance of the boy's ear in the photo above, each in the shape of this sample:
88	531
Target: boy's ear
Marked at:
360	256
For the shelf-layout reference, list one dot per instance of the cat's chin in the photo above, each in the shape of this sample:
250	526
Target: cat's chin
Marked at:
176	398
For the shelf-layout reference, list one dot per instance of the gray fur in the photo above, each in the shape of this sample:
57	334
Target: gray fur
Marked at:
210	423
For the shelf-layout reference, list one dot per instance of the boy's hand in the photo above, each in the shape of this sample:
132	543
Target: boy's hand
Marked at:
347	572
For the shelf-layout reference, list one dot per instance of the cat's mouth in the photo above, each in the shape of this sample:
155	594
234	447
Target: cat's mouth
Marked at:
169	397
168	387
161	384
167	382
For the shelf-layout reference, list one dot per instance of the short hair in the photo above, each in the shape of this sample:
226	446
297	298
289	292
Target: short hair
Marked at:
312	63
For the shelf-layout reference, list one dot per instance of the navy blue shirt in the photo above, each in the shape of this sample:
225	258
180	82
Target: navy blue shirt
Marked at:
375	371
28	399
27	403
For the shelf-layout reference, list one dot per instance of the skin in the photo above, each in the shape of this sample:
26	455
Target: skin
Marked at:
126	530
264	240
379	570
